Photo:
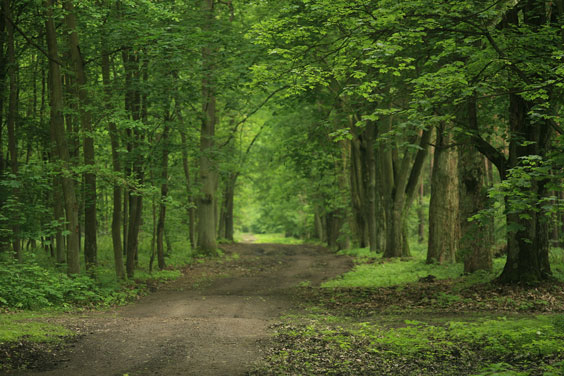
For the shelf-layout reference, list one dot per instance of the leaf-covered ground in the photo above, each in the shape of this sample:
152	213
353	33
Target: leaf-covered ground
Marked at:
432	327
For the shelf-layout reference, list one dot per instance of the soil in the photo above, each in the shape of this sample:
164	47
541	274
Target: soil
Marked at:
212	321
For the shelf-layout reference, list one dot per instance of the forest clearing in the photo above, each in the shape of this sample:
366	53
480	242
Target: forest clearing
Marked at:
339	187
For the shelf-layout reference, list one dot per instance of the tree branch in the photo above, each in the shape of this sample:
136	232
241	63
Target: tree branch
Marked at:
28	40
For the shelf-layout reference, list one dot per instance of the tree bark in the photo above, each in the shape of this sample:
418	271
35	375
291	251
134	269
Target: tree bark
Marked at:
402	179
11	121
58	132
369	137
443	208
90	225
208	175
475	240
190	200
133	102
528	244
164	193
358	195
116	165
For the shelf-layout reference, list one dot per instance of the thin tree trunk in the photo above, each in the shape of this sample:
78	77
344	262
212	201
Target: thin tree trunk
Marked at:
420	215
191	206
164	194
58	131
369	137
117	191
11	121
90	225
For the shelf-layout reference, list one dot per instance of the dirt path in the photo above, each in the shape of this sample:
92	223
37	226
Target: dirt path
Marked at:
209	322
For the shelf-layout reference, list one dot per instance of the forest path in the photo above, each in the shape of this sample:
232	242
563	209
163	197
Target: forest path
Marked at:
208	322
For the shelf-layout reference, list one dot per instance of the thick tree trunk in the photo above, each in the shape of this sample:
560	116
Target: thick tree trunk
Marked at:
208	175
444	228
528	245
117	191
11	120
358	196
90	225
475	241
333	223
58	132
2	99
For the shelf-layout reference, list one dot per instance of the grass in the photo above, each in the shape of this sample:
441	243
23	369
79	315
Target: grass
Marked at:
17	326
275	238
372	271
332	345
363	323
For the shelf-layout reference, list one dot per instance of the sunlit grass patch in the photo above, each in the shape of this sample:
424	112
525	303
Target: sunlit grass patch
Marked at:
18	326
273	238
393	272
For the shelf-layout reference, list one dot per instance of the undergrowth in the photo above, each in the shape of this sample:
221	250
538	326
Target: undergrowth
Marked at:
329	345
373	271
38	283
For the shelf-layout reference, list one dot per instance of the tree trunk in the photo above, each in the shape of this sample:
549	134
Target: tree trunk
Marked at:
228	200
190	202
358	196
133	100
528	245
420	215
59	212
443	208
475	240
208	176
369	137
402	178
62	150
11	121
90	225
164	193
117	191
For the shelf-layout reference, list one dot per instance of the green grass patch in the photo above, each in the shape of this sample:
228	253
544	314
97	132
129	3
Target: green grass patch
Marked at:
372	271
328	345
19	326
393	272
274	238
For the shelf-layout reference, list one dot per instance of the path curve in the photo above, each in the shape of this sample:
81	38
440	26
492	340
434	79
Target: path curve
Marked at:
208	322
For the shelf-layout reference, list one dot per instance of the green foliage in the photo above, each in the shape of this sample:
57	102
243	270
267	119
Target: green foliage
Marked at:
30	286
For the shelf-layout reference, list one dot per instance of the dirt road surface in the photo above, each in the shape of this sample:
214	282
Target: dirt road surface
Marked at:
211	321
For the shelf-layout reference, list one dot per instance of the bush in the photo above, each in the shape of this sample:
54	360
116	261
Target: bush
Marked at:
30	286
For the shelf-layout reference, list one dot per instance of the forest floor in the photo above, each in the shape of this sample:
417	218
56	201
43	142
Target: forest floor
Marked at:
214	320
